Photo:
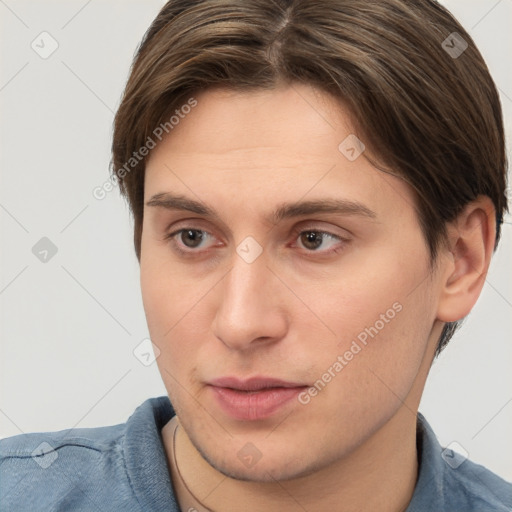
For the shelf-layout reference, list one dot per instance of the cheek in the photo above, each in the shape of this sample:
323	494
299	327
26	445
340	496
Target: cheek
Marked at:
382	321
178	320
358	386
166	298
166	294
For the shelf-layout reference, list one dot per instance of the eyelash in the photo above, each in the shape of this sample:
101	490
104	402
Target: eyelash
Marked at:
173	240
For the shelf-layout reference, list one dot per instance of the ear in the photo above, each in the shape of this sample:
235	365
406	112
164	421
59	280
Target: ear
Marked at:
465	261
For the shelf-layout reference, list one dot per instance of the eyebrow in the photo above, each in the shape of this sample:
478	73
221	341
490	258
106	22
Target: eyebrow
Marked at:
170	201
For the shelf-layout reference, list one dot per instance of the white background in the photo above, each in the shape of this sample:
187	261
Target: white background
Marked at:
68	327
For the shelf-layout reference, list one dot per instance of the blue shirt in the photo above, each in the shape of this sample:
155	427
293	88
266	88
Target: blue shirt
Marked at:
124	468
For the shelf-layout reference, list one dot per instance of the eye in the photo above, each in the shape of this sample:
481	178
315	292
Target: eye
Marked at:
188	239
192	240
319	241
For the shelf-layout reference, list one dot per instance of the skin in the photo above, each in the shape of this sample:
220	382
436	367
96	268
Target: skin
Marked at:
291	312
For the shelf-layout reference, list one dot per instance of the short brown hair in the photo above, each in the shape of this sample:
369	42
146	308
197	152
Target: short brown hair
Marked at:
419	91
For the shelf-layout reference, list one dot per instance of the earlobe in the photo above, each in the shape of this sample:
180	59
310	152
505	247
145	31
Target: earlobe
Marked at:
471	238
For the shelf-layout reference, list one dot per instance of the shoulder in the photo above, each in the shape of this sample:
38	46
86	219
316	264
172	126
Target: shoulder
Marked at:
85	439
120	467
449	481
77	468
478	487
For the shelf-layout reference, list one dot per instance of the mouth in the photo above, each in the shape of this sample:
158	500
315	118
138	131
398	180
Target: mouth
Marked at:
253	399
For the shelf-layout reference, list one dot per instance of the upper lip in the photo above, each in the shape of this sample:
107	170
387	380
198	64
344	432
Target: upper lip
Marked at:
253	383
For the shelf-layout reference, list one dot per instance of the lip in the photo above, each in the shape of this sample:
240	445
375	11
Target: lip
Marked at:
253	399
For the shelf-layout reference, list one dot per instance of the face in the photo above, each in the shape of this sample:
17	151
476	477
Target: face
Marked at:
285	282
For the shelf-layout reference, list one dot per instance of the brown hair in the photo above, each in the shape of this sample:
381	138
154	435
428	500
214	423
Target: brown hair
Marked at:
421	97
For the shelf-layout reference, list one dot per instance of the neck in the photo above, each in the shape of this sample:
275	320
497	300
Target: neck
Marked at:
379	475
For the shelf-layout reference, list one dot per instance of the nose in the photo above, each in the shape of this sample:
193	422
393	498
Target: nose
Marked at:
251	311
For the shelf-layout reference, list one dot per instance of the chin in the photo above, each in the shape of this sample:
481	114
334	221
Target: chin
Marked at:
265	470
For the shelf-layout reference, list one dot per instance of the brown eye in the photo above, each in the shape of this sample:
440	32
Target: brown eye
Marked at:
189	242
318	241
191	237
312	239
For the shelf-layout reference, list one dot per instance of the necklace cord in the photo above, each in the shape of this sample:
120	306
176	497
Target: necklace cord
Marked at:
178	470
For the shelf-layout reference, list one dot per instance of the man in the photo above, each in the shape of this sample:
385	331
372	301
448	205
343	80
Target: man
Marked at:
314	212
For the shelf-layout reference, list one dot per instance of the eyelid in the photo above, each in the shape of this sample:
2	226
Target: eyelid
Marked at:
305	225
296	231
317	228
323	226
179	248
194	223
339	241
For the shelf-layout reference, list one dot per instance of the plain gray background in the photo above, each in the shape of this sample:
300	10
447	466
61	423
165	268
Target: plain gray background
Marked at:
69	325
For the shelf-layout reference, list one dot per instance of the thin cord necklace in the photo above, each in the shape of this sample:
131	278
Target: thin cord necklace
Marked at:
180	477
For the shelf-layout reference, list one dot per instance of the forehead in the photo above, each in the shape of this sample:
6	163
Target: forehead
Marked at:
296	118
268	146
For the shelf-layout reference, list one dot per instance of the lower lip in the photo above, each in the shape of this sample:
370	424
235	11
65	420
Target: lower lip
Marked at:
255	405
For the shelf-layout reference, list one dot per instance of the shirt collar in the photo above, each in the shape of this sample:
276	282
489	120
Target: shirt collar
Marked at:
144	455
429	491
